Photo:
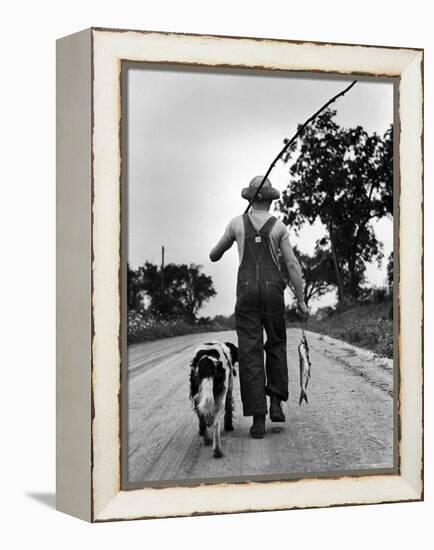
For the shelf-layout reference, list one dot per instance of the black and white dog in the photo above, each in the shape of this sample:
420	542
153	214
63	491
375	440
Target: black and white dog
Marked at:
211	381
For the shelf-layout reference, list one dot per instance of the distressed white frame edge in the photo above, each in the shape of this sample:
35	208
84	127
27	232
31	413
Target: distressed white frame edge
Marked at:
109	48
73	274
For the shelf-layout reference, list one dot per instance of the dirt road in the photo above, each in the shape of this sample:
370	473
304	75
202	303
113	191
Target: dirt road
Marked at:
347	425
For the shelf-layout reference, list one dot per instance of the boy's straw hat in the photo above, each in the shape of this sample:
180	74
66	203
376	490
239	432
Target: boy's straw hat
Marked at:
267	192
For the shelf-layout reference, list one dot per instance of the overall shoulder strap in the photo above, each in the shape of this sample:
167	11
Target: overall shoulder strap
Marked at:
249	228
268	226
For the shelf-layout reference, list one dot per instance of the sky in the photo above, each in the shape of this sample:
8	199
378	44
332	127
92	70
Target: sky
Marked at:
196	137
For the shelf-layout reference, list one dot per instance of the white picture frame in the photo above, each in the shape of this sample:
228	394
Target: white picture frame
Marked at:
89	305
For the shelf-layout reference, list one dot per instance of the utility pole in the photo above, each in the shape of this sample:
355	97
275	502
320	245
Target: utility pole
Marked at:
162	269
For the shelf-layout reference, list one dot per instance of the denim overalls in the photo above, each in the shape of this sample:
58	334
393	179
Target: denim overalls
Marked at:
260	305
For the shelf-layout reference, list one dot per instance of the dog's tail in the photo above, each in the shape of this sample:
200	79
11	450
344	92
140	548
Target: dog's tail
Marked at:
205	403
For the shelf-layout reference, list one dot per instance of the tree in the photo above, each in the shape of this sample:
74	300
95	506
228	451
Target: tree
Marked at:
318	272
179	289
134	289
344	178
224	321
390	272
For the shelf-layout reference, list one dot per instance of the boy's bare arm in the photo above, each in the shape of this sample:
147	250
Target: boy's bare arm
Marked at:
220	248
294	271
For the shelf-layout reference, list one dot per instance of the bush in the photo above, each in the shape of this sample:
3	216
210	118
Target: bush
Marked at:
324	312
144	326
203	321
291	314
221	322
377	295
368	326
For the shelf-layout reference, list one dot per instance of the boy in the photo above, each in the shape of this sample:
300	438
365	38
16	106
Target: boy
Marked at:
260	305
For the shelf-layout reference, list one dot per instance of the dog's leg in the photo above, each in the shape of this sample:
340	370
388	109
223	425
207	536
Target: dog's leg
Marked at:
207	436
228	411
202	425
216	443
229	406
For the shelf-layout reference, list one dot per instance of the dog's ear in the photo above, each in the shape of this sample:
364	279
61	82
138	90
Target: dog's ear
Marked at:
234	351
194	383
195	360
234	355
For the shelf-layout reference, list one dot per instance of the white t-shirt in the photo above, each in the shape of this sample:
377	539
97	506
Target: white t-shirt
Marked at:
235	232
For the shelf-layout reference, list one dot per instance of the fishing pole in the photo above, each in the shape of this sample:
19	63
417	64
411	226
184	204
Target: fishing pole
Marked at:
294	137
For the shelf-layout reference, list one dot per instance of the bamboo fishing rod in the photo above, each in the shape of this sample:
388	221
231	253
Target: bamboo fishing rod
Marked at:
294	137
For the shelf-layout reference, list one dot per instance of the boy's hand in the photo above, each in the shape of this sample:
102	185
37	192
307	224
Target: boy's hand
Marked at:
303	311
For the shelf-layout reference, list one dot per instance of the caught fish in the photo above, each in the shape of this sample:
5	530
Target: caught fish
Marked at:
303	354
